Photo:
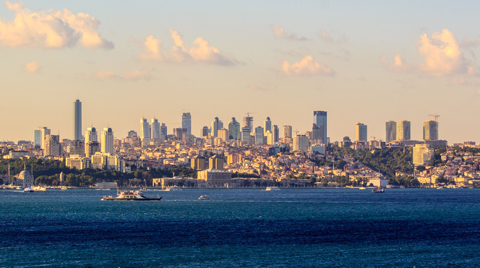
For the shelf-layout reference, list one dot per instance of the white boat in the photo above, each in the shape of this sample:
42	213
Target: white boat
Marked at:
273	188
131	195
204	197
28	190
173	188
39	189
378	190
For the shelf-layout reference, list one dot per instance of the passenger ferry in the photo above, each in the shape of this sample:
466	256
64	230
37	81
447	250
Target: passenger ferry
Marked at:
131	195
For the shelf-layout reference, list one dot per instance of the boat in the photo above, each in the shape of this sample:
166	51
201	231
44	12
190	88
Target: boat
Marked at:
378	190
63	188
173	188
39	189
440	188
273	188
204	197
362	188
130	195
28	190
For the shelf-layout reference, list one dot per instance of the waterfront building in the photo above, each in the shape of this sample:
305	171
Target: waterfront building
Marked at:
300	143
287	131
53	146
107	141
187	123
145	131
423	154
234	131
155	125
213	178
320	120
430	130
361	131
77	118
391	131
39	137
24	179
267	125
246	135
216	125
248	122
276	134
403	130
223	134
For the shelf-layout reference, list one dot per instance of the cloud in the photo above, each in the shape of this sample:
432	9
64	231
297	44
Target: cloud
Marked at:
126	76
50	29
397	66
32	67
201	51
327	38
280	33
306	67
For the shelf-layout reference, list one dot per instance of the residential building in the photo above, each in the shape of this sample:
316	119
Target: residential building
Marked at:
53	146
403	130
223	134
198	163
107	141
287	131
216	162
300	143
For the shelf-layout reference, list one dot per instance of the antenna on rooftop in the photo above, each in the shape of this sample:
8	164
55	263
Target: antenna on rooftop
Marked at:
435	115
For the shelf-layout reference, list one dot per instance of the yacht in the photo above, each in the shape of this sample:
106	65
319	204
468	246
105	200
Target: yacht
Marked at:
131	195
28	190
204	197
273	188
378	190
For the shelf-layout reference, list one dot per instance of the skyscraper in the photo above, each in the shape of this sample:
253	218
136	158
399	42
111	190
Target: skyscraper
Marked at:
248	122
145	131
53	146
234	129
320	120
39	137
267	125
391	129
204	132
403	130
107	141
163	130
216	125
156	134
361	131
430	130
259	135
91	134
246	135
276	134
223	134
77	126
187	122
287	131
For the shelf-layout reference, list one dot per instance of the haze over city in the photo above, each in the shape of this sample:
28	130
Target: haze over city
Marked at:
367	62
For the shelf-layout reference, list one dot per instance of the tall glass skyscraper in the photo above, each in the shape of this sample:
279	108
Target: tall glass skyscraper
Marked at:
187	122
145	131
430	130
361	130
77	127
320	120
391	129
156	134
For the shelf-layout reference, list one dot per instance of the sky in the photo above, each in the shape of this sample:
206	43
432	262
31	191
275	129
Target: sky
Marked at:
361	61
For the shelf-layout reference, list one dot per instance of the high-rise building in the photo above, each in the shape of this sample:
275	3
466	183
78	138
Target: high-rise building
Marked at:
259	135
403	130
53	146
107	141
155	125
179	133
39	137
187	123
246	135
248	122
287	131
91	135
276	134
269	136
234	131
77	126
320	120
76	147
223	134
91	148
267	125
205	131
391	129
216	125
423	154
163	130
430	130
361	131
145	131
300	143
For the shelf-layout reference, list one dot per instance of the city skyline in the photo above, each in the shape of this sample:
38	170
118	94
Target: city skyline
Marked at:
343	63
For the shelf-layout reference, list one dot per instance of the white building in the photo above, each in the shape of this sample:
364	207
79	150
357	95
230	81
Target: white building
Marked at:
223	134
145	131
156	134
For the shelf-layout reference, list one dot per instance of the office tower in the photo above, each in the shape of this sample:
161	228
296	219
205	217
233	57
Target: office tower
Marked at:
198	163
234	131
300	143
216	125
53	146
259	135
77	127
361	130
276	134
287	131
155	125
423	154
145	131
248	122
179	133
187	122
267	125
215	162
430	130
223	134
269	136
403	130
163	130
204	131
317	134
320	120
246	135
391	129
107	141
91	135
40	134
132	134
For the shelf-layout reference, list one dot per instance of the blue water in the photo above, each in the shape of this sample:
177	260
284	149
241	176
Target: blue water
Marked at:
242	228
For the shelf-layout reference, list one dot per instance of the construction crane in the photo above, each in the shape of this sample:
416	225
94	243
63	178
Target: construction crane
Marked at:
435	115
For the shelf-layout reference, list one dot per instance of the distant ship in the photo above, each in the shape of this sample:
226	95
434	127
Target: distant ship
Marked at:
273	188
131	195
378	190
204	197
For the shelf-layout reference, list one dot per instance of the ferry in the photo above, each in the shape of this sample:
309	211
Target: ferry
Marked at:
204	197
131	195
273	188
378	190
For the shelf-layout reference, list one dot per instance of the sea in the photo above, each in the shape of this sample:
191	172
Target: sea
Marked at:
242	228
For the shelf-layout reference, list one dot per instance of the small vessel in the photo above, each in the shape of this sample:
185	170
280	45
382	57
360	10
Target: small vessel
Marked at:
378	190
131	195
173	188
204	197
440	188
362	188
272	188
28	190
39	189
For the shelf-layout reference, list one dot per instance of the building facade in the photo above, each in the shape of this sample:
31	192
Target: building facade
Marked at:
107	141
391	131
430	130
320	120
77	118
187	123
403	130
361	130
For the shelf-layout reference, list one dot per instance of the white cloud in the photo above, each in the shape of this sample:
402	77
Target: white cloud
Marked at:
200	52
327	38
306	67
50	29
280	33
126	76
32	67
397	66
